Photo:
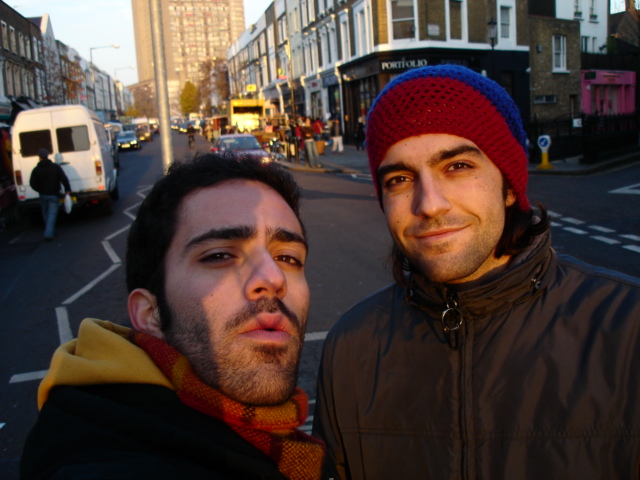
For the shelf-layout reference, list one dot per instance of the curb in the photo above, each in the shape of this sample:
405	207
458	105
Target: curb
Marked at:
562	168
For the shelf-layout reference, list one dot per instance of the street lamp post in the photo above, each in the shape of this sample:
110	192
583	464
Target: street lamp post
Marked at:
93	76
492	29
115	71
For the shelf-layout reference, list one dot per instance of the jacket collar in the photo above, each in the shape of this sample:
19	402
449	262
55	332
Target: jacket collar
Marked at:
527	276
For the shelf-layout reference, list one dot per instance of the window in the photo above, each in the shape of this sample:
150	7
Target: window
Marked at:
559	53
402	18
505	22
584	44
12	39
345	52
73	139
456	28
31	142
5	36
577	8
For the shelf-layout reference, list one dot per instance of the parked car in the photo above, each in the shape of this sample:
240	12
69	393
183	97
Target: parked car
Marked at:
143	132
241	143
128	141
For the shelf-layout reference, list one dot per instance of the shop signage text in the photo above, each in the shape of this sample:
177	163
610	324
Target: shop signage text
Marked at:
404	64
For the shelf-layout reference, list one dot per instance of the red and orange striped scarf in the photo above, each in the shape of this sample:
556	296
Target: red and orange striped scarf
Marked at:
272	430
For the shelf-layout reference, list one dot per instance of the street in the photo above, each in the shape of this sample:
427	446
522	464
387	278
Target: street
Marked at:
46	289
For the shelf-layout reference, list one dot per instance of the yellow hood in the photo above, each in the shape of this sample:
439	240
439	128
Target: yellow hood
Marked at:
101	354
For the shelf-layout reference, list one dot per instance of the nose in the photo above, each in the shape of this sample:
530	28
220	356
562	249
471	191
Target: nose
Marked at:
266	278
430	198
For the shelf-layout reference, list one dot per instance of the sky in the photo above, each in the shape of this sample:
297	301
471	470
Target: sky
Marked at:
83	24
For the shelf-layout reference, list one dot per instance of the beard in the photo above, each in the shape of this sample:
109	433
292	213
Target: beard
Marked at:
252	375
452	263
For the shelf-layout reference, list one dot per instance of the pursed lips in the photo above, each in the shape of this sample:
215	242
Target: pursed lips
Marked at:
273	327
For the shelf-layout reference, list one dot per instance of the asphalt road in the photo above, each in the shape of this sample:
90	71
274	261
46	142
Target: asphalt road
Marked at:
46	289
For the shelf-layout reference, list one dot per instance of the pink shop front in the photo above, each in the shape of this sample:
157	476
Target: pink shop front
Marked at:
608	92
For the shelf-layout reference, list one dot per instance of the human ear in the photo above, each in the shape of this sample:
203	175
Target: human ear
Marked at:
511	198
143	312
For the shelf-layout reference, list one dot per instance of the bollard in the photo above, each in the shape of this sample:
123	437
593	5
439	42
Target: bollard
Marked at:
544	142
544	164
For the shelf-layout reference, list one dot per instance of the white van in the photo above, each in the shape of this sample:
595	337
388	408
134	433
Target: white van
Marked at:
76	139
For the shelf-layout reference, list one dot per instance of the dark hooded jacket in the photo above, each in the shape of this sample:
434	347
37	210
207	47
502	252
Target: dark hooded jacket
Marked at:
108	412
46	178
539	381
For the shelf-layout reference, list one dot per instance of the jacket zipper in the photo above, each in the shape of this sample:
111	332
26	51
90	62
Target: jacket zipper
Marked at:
452	321
457	332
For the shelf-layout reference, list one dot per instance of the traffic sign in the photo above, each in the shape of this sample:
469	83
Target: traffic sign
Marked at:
544	142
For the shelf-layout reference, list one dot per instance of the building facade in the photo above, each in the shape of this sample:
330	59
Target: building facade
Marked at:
194	32
336	55
22	62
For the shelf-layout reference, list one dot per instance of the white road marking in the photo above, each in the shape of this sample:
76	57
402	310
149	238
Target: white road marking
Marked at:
2	425
576	230
630	189
553	214
111	252
64	327
115	234
28	377
310	337
574	221
608	240
602	229
555	224
633	248
635	238
91	284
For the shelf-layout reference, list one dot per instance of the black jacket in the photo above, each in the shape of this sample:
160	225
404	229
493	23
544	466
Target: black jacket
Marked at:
543	382
135	431
47	177
130	426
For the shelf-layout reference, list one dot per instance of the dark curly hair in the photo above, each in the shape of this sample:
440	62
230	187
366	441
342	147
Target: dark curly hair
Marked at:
156	223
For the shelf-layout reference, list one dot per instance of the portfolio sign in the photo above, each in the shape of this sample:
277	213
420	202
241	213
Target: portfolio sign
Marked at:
403	64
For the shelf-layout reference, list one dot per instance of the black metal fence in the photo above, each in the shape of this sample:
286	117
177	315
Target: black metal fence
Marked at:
591	137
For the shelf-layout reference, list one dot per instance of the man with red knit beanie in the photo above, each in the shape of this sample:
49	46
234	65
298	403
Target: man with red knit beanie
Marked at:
491	356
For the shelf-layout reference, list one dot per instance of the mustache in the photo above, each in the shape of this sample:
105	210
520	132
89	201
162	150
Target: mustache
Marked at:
264	305
433	224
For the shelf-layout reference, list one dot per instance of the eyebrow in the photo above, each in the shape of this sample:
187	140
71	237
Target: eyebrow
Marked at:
435	159
245	232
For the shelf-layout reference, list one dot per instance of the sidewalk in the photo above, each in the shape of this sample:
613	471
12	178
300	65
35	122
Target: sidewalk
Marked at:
354	161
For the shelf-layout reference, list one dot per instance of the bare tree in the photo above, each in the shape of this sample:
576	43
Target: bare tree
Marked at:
220	87
54	84
205	85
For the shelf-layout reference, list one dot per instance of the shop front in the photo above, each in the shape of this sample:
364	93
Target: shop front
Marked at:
606	92
365	77
331	84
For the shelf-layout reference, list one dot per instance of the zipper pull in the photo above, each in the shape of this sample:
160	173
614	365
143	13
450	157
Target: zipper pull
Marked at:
452	321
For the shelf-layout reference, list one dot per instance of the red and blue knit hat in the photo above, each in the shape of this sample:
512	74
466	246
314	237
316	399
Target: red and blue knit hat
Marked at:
457	101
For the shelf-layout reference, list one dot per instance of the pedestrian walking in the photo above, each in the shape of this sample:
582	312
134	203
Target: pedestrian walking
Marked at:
336	136
360	134
46	179
310	143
